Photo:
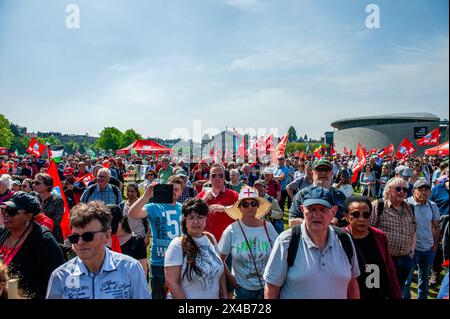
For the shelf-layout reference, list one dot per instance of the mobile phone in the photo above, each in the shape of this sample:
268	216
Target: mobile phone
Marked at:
163	194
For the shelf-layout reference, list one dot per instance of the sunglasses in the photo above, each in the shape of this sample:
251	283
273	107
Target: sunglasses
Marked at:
36	183
87	236
364	214
217	175
253	203
398	189
10	211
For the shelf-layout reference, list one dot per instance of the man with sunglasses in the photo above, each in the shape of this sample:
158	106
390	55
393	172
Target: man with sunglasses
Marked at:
428	235
323	177
96	272
378	279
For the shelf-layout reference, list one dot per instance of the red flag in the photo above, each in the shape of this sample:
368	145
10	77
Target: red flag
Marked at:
389	150
106	163
211	152
359	162
351	153
218	156
373	150
269	144
404	149
36	148
280	149
431	138
85	179
345	151
58	190
332	150
242	151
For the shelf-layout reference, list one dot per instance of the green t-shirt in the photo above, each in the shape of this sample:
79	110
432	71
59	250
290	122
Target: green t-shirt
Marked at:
165	174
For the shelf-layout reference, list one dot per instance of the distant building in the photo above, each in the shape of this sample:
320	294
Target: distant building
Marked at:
381	130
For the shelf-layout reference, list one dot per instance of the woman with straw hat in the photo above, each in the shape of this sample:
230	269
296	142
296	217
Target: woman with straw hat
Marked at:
249	240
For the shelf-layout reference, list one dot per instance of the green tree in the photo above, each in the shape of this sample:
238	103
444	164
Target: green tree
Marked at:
20	144
71	147
110	139
292	134
128	137
52	140
6	135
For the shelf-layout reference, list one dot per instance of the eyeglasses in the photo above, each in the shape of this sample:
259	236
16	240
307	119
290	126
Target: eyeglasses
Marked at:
364	214
36	182
253	203
217	175
398	189
87	236
10	211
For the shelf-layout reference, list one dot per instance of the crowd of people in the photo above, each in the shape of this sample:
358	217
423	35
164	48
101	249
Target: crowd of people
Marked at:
299	228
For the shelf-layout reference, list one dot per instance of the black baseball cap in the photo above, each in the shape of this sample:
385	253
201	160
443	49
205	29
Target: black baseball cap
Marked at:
25	201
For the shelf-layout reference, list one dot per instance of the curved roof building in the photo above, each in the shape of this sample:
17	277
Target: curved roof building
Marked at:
381	130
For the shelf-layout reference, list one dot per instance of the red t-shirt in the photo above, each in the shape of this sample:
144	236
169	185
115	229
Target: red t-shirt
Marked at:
217	222
272	188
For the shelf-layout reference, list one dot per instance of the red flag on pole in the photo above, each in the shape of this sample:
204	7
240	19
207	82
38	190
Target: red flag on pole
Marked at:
36	148
242	151
269	144
280	149
404	149
85	179
58	190
431	138
359	162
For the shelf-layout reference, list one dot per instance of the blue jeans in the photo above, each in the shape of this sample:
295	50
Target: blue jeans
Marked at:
423	259
443	292
278	225
242	293
157	282
403	265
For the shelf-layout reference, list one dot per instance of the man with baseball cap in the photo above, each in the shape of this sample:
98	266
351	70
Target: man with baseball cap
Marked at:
427	237
73	190
322	264
322	176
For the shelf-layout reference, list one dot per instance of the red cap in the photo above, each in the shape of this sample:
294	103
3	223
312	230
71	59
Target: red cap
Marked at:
68	171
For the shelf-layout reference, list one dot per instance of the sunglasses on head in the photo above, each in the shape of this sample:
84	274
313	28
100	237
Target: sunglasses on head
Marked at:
217	175
253	203
398	189
87	236
364	214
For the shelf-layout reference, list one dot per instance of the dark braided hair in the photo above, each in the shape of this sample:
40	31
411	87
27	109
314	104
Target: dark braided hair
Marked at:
190	248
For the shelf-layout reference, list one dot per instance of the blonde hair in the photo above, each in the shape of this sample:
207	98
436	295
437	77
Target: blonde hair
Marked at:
394	182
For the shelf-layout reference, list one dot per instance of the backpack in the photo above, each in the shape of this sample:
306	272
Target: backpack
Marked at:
296	233
91	191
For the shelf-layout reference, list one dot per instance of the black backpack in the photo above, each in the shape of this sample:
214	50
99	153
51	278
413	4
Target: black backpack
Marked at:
296	233
115	189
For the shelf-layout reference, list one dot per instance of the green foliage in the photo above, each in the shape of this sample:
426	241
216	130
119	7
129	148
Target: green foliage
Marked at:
6	135
20	144
300	147
128	137
110	139
292	134
71	147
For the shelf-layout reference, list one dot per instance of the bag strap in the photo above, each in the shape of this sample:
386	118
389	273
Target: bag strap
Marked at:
267	233
251	254
293	244
345	240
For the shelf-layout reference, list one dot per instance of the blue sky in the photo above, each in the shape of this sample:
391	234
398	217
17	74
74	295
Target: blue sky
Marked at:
156	66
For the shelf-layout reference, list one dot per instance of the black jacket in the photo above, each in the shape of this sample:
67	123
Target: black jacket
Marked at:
33	264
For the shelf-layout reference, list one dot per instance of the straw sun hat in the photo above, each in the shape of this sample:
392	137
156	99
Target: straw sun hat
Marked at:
246	193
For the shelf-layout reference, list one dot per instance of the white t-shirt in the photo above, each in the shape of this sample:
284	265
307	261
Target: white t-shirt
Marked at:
347	189
208	260
243	267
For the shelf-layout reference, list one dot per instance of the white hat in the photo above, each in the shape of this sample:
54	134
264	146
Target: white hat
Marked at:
249	192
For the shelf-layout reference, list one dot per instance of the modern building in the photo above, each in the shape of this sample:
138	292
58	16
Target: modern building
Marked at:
381	130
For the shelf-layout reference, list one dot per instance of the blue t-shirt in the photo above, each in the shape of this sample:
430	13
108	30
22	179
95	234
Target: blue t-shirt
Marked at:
165	222
280	170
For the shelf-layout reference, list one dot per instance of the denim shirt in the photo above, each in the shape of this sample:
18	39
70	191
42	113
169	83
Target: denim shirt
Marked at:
120	277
